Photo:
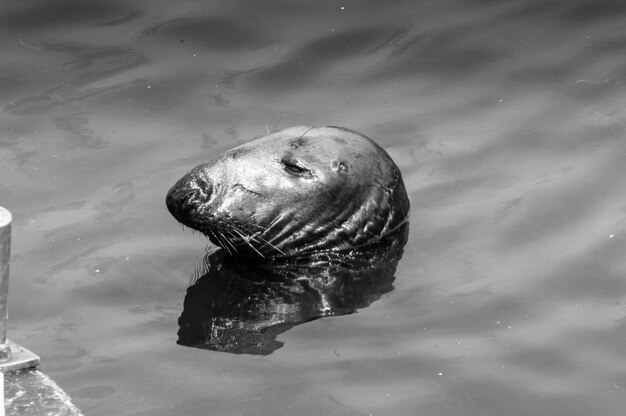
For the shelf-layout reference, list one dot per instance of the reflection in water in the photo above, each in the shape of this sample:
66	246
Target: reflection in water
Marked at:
239	307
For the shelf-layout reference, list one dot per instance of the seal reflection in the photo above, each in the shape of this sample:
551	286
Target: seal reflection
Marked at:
241	307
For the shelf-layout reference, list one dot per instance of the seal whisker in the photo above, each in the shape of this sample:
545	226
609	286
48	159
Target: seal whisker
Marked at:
231	234
259	240
236	234
226	241
223	242
265	242
247	241
303	134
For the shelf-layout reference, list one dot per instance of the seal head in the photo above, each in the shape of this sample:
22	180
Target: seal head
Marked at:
294	193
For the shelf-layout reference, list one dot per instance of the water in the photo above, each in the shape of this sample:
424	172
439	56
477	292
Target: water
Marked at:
507	119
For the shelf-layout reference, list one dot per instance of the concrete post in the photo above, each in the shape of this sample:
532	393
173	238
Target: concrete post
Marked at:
5	254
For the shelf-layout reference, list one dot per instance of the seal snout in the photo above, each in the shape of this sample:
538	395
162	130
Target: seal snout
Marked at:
184	198
178	203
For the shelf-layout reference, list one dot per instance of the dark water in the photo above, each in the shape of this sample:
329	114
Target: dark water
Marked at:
507	119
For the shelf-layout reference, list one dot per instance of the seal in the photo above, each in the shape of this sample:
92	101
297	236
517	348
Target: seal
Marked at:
293	194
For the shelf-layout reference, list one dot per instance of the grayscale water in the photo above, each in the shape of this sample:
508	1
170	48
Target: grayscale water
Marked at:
507	119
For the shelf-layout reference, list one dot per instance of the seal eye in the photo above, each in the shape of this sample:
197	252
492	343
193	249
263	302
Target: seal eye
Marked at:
294	169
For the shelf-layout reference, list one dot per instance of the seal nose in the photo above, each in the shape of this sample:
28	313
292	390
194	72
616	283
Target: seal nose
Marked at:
186	196
176	202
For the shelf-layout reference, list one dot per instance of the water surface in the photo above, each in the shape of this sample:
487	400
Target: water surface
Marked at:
506	118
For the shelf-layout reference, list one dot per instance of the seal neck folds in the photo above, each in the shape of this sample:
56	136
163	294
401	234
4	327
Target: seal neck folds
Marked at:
295	193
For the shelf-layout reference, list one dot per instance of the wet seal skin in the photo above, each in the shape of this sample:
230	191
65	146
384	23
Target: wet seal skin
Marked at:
311	222
294	193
